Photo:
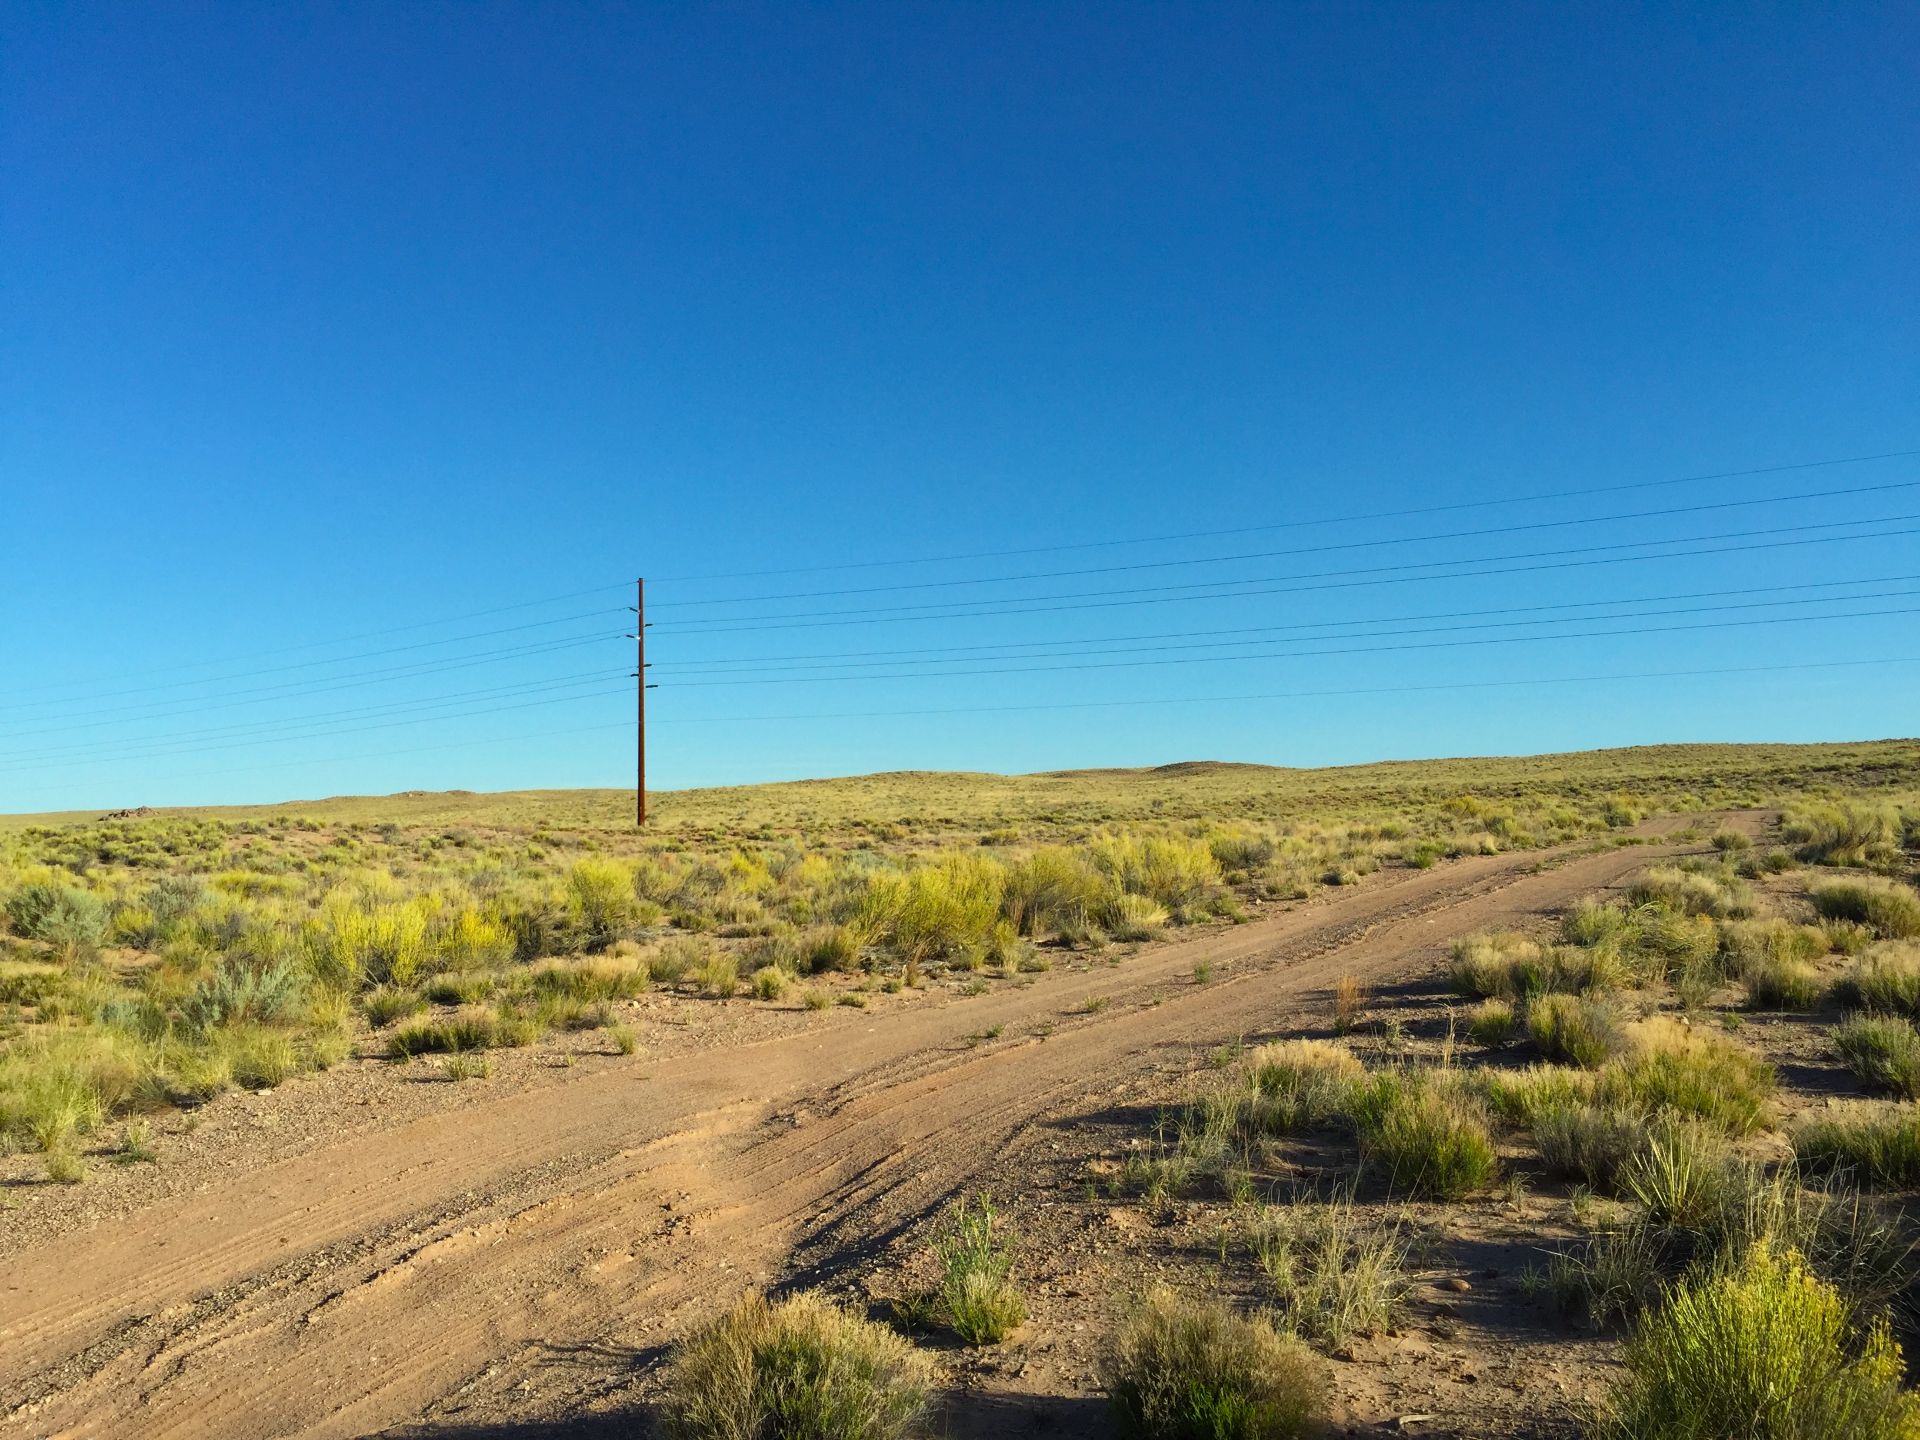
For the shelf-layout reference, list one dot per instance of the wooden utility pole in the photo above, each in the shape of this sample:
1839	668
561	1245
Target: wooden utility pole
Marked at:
640	702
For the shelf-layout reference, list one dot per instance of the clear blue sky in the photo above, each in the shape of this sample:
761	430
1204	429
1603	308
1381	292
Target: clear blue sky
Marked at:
325	320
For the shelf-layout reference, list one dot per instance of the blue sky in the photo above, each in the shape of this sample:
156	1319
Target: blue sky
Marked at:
331	330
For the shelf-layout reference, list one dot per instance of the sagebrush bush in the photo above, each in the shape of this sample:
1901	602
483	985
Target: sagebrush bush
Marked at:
1186	1370
800	1369
1761	1349
1886	907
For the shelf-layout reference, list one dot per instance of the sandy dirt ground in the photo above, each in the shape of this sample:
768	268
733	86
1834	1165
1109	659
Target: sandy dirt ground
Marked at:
366	1253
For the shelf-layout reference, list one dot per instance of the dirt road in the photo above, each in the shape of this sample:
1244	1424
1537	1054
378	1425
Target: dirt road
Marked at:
453	1266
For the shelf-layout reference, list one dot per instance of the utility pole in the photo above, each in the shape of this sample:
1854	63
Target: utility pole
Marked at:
640	688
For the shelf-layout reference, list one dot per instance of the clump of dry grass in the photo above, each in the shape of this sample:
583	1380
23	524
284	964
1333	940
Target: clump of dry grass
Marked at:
1886	979
1882	1050
1566	1027
800	1368
1886	907
1335	1271
1350	995
1189	1370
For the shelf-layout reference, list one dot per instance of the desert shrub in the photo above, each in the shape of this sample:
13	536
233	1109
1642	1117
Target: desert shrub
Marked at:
1679	1068
71	920
977	1295
1183	1370
385	1004
1759	1349
1426	1136
1500	965
358	939
934	913
1848	833
455	989
254	1057
1591	1143
1886	979
600	899
240	990
1781	983
1876	1145
1180	874
1882	1050
1519	1097
1492	1023
472	1028
800	1369
1886	907
1295	1083
828	947
1133	917
720	976
1681	1175
1730	842
1054	890
769	982
1334	1271
1566	1027
1723	896
1613	1275
679	956
592	978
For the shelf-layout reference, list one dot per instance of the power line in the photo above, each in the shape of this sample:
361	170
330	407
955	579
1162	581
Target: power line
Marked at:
1069	705
197	749
1208	639
1335	548
266	694
172	666
282	724
1411	513
1530	680
1237	589
1301	654
1022	670
311	664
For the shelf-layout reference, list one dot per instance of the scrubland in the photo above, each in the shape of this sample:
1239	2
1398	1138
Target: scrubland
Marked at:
1696	1097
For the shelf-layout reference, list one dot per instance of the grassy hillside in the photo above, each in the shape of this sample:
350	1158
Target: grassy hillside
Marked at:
933	801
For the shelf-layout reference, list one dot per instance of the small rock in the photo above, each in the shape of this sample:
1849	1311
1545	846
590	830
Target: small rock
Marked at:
1456	1284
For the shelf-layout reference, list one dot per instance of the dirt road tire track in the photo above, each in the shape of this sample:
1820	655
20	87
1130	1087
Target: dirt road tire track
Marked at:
375	1280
